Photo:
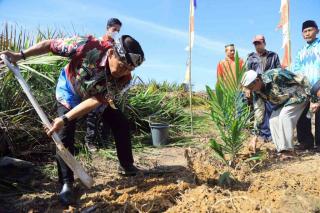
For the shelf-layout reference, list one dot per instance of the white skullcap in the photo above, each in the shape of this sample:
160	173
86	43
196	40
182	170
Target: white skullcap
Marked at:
248	77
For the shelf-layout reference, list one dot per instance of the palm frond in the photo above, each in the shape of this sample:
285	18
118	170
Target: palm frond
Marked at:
228	111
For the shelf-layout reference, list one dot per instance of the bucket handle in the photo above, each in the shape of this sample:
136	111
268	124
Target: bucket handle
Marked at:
149	120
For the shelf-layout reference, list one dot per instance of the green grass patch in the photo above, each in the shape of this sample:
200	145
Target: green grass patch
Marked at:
49	170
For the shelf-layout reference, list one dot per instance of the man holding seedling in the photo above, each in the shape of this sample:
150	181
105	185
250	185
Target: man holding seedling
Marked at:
308	63
260	61
288	93
96	73
228	64
95	127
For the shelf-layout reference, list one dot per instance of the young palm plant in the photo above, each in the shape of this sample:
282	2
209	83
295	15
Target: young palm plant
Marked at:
230	113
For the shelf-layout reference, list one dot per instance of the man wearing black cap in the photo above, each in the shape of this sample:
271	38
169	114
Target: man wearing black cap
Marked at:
308	63
94	75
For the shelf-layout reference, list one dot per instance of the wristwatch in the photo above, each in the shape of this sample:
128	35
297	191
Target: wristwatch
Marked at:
65	119
23	55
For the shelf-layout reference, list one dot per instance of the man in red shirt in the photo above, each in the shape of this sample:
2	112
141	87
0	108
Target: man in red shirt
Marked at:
228	63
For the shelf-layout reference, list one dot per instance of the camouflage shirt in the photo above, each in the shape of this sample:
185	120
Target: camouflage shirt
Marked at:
87	73
282	88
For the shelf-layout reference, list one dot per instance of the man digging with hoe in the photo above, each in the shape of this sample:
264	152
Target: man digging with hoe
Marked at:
96	73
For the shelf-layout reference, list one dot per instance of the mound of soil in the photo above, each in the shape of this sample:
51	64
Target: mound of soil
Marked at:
291	186
186	180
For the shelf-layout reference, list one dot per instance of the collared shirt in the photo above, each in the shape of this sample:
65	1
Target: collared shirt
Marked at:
260	64
308	61
87	74
281	88
224	66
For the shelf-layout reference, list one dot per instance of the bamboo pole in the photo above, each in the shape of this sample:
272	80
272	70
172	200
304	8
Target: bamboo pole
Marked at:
289	42
190	58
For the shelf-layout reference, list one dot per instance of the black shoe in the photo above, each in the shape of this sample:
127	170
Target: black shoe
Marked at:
128	170
91	147
303	147
67	195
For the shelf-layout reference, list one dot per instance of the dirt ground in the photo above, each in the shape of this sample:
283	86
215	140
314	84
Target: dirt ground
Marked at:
290	186
180	179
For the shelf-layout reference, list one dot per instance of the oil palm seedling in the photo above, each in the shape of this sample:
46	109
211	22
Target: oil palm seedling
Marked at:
230	113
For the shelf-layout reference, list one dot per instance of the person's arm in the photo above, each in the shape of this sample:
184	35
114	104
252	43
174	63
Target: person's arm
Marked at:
219	71
38	49
249	63
259	110
83	108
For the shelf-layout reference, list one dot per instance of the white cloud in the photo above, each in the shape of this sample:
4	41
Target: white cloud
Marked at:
200	41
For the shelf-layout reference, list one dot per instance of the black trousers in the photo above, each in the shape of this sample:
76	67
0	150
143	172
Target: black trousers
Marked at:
96	132
120	128
304	129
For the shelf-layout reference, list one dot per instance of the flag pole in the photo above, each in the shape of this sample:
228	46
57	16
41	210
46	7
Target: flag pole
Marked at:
284	24
289	36
190	57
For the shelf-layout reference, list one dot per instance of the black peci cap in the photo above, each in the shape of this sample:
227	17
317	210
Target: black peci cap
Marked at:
309	23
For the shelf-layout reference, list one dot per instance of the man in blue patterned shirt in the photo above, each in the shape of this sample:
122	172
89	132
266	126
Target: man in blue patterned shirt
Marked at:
308	63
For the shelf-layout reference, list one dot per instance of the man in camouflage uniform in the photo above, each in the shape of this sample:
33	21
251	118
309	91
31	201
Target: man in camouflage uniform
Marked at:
289	94
95	75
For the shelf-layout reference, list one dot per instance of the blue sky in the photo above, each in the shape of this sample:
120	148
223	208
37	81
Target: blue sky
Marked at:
162	28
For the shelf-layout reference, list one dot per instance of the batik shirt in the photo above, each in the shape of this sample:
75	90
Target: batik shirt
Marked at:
308	61
282	88
87	73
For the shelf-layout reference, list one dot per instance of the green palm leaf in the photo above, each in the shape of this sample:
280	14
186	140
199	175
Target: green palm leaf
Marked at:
228	111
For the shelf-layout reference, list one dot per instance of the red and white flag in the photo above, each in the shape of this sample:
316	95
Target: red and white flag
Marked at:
284	25
193	5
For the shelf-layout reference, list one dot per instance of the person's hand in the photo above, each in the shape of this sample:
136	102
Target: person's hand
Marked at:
13	57
57	124
314	107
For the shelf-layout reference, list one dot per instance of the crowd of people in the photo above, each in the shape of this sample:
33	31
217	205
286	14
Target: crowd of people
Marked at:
99	68
282	98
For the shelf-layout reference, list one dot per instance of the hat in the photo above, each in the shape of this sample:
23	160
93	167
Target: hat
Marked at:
132	57
248	77
259	38
315	88
309	23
